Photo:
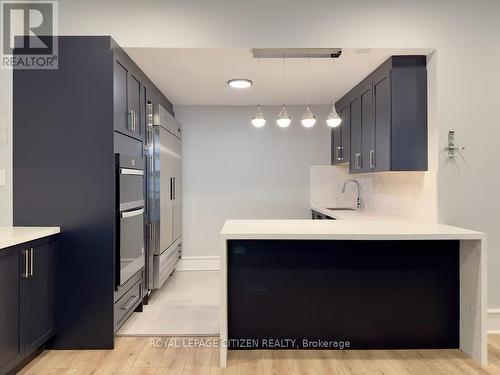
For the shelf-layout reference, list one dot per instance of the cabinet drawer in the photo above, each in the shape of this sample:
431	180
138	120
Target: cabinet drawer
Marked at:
127	304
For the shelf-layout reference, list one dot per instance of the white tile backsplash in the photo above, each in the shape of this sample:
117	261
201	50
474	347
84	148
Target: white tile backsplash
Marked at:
410	195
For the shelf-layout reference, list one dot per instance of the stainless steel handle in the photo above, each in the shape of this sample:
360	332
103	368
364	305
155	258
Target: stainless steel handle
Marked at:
129	171
171	188
149	111
127	214
150	231
357	161
135	121
31	272
175	188
339	153
26	272
372	159
130	303
130	120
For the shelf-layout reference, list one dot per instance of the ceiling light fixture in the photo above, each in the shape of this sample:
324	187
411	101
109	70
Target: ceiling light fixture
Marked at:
258	120
333	120
239	83
308	119
283	119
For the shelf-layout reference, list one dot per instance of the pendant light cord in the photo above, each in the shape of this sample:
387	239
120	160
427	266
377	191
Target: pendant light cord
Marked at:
309	83
333	81
258	79
283	79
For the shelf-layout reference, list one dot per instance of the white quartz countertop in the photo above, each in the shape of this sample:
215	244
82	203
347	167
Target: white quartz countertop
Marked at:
353	228
11	236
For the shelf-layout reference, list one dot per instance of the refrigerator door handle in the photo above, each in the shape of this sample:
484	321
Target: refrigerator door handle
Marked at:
175	188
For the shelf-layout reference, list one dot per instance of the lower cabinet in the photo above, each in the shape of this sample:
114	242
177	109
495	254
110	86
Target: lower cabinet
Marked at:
128	299
27	294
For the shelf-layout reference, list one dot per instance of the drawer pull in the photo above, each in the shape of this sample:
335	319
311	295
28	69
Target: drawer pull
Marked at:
130	303
127	214
131	172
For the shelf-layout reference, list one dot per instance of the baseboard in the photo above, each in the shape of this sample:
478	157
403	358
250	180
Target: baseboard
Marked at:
206	263
493	320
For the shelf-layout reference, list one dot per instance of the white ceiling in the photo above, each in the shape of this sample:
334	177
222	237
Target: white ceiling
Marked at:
198	76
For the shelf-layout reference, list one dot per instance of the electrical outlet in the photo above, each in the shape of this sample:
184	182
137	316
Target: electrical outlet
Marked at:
2	177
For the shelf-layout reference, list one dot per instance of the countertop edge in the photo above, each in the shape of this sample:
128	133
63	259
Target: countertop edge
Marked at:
20	235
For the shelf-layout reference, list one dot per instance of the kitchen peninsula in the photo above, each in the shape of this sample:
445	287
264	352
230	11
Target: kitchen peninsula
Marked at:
375	283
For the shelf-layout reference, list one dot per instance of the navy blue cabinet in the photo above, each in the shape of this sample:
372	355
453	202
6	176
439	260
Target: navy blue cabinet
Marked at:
27	293
11	351
387	120
341	137
73	157
127	90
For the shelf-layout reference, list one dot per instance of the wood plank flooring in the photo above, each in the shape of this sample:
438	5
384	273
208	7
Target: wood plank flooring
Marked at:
141	356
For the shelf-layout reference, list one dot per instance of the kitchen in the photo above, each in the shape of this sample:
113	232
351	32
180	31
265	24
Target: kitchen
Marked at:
222	166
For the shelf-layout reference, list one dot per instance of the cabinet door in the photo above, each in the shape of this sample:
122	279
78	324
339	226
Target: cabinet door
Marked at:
134	105
336	145
356	163
10	339
382	120
367	129
345	114
120	98
37	297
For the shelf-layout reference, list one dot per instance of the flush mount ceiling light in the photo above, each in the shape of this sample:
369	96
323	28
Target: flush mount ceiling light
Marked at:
239	83
333	120
308	119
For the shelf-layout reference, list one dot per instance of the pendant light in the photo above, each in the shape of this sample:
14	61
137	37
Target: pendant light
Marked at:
333	120
308	119
283	120
258	120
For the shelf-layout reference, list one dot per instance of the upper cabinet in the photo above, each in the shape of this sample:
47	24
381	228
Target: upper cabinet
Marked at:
129	98
341	136
385	116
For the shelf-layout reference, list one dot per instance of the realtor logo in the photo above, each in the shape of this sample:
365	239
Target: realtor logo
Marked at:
29	34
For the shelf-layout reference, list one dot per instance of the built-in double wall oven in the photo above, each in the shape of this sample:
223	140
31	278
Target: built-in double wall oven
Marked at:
130	218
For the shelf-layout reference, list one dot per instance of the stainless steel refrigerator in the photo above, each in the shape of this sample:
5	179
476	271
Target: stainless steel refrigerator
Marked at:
164	195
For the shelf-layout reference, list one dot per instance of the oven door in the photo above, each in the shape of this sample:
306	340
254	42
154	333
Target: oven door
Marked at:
131	186
131	244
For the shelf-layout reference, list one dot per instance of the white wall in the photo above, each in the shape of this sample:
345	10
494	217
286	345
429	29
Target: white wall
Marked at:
466	35
6	146
232	170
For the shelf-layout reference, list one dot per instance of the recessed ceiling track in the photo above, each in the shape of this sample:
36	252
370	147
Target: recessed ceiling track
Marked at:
300	53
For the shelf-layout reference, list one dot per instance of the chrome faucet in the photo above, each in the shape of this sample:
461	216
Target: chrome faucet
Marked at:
358	200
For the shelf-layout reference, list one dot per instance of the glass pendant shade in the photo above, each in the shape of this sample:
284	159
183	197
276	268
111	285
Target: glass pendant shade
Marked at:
308	120
258	120
333	120
283	119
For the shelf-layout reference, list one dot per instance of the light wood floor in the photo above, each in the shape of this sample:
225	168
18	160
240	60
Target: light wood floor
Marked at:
137	355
